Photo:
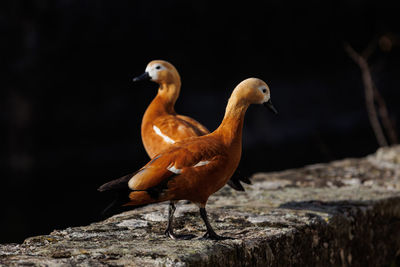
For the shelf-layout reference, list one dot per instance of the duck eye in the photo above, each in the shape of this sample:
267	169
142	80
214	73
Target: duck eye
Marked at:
158	67
264	90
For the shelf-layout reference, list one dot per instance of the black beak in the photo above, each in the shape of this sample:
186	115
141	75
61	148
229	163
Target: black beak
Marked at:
271	107
144	77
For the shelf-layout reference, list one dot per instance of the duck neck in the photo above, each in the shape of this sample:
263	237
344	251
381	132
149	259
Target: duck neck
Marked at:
231	127
166	97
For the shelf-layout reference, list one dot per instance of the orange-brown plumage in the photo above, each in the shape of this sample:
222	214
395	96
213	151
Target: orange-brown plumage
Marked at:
161	125
161	113
195	168
192	183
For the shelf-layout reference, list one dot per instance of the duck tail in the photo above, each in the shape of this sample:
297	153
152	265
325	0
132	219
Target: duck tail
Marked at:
141	198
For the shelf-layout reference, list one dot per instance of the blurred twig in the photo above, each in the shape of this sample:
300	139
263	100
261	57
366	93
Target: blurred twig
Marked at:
384	114
369	50
385	43
369	93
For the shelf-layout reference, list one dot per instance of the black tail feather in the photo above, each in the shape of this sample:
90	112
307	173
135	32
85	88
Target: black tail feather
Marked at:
235	180
245	180
116	206
117	184
235	184
120	189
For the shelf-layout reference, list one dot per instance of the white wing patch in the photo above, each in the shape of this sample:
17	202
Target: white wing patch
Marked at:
166	138
201	163
172	168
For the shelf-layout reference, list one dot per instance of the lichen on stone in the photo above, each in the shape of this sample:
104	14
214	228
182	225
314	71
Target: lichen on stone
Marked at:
343	213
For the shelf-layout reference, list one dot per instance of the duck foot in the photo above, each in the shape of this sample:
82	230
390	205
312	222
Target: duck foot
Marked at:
213	236
171	235
210	234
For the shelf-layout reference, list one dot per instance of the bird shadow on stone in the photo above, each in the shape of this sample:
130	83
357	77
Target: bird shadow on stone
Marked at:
341	207
336	210
330	207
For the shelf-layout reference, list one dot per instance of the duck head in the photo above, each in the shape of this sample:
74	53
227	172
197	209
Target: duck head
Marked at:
165	74
254	91
161	72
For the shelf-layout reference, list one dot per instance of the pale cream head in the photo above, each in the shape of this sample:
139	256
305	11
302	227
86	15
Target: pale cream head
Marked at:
252	91
249	91
163	72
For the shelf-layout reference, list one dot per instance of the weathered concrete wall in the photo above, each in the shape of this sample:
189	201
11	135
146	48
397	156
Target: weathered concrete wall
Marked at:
346	213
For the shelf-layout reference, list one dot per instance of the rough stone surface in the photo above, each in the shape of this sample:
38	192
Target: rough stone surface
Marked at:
345	213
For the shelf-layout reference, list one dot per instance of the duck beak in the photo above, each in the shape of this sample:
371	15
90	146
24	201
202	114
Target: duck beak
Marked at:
144	77
271	107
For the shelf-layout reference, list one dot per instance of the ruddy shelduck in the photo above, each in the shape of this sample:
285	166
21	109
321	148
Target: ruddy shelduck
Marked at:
161	125
195	168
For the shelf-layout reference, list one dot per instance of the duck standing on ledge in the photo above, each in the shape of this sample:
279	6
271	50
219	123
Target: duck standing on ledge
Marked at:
161	125
197	167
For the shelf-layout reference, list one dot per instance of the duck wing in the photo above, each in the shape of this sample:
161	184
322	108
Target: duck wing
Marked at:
175	128
202	130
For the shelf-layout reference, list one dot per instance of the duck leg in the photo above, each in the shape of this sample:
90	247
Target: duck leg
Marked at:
210	234
169	232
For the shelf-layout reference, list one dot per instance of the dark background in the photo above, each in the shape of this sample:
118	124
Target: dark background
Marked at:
70	115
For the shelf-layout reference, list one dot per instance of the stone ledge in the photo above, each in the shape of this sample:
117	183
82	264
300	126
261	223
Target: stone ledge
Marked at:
345	213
